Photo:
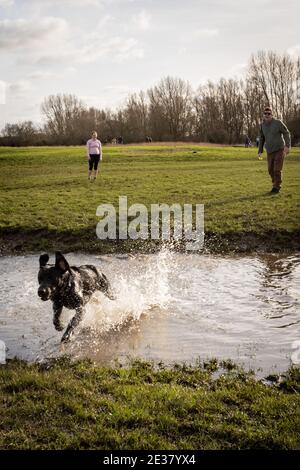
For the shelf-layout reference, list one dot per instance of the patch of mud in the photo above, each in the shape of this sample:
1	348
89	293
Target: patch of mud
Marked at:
21	242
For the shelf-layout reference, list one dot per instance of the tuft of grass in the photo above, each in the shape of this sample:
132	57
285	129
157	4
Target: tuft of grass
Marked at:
76	405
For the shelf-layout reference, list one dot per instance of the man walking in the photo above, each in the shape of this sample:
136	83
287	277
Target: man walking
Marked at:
276	137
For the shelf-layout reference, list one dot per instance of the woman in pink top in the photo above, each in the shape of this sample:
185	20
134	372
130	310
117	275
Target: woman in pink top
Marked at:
94	155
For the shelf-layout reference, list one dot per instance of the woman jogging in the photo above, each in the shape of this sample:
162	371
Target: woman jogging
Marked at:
94	155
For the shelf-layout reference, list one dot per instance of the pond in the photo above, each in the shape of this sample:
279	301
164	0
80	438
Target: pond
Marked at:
169	307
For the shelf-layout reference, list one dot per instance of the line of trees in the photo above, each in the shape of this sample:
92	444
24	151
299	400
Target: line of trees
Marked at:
222	112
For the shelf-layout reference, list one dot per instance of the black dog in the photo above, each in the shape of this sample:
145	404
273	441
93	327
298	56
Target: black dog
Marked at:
70	287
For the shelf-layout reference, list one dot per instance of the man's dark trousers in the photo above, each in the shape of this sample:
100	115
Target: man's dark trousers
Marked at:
275	164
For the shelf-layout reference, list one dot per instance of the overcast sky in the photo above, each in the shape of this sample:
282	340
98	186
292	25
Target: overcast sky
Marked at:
102	50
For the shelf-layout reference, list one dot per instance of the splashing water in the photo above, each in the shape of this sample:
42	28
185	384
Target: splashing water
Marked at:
137	290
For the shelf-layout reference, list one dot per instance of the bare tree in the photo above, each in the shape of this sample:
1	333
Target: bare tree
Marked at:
63	116
171	99
21	134
136	117
253	104
231	109
219	111
275	76
207	113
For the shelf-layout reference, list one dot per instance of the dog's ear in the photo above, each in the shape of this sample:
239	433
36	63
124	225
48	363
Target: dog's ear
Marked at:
44	260
61	262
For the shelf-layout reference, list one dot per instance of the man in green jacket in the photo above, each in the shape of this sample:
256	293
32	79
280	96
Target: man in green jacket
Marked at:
277	139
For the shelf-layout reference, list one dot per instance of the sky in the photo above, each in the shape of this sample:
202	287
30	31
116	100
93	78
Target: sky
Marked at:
103	50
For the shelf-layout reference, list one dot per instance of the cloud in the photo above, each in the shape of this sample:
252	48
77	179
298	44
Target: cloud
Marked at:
117	89
99	45
62	45
200	33
65	3
142	20
115	49
182	51
294	51
79	2
237	70
2	92
206	32
112	94
19	88
43	74
75	3
22	33
50	74
6	3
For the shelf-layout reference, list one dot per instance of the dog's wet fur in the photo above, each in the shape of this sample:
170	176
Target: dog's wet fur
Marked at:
70	287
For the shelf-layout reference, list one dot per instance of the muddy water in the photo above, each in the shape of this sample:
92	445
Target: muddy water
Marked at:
170	307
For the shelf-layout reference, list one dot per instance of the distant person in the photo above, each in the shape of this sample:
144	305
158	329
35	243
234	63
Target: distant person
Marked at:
94	155
257	141
277	139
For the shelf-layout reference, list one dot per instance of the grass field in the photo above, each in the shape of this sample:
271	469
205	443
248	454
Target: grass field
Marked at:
80	406
46	198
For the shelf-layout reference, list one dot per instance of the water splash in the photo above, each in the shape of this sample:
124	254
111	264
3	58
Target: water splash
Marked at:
139	288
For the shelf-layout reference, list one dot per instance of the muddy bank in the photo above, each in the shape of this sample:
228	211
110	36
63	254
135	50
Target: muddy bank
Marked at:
13	241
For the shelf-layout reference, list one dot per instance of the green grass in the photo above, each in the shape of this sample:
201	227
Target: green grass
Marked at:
63	405
46	190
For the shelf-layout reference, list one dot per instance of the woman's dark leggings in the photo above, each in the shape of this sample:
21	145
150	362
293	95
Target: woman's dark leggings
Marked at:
93	162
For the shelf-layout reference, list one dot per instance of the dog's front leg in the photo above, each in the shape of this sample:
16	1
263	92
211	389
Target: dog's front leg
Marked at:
72	325
57	309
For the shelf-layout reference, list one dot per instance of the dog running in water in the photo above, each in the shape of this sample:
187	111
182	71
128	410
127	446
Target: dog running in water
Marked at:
70	287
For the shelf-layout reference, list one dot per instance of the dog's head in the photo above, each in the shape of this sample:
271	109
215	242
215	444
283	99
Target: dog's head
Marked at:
51	277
